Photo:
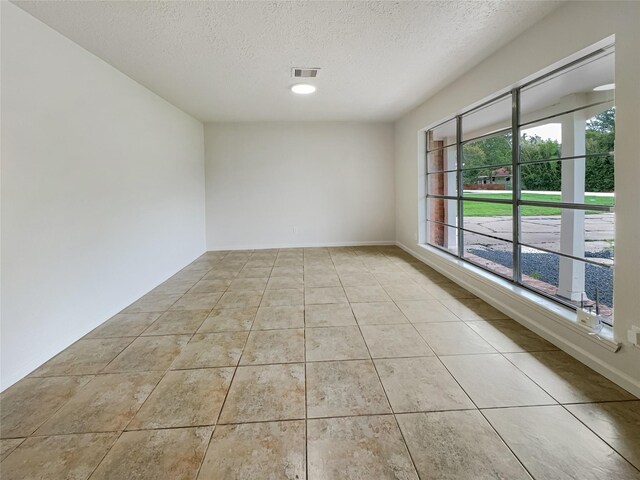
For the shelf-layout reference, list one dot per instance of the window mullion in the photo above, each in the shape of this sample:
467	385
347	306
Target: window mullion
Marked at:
460	185
515	181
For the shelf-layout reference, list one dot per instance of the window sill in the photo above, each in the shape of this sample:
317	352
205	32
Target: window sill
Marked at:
467	275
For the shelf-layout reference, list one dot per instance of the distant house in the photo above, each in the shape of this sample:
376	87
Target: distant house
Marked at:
501	176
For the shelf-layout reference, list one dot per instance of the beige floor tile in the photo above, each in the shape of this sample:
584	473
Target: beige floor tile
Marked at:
566	379
152	303
320	280
447	291
491	381
279	317
318	272
420	384
509	336
358	280
260	263
335	343
251	283
174	454
8	445
197	301
185	398
229	320
458	445
289	262
283	297
124	325
174	286
288	271
107	403
396	277
147	354
473	309
552	444
265	392
222	273
380	313
427	311
351	269
385	341
240	299
405	293
320	295
211	285
31	401
177	322
282	283
274	346
328	315
83	357
255	272
453	338
60	457
222	349
367	294
344	388
269	450
617	423
358	448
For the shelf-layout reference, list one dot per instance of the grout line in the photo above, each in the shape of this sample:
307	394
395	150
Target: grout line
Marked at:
386	396
238	267
304	356
485	419
159	380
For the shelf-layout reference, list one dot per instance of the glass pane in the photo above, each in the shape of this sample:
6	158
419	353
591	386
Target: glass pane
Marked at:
443	159
579	233
442	211
568	280
588	132
586	84
488	182
495	255
442	183
488	152
490	118
443	236
442	135
494	219
594	181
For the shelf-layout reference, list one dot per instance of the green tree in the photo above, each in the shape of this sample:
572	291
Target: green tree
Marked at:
544	175
600	139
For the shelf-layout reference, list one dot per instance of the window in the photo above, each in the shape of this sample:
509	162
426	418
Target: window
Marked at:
523	185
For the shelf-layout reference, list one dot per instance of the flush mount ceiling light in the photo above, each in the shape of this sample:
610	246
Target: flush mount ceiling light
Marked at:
602	88
303	88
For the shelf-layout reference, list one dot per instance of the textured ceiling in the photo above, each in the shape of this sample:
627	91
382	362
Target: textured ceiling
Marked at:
231	61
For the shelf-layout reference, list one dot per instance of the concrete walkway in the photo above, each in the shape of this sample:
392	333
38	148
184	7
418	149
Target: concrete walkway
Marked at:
539	231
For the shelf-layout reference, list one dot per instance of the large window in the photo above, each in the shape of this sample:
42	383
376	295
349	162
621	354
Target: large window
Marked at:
523	185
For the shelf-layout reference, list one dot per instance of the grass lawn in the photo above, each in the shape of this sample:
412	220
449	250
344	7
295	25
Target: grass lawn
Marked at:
476	209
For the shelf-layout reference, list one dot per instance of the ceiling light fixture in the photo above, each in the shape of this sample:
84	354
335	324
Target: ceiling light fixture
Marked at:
303	88
602	88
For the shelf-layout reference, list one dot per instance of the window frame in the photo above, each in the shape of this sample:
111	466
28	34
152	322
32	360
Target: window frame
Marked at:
516	201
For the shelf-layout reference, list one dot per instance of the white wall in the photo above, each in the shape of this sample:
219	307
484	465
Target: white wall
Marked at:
102	192
333	182
574	26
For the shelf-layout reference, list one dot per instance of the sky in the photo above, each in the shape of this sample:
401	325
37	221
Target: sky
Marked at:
551	131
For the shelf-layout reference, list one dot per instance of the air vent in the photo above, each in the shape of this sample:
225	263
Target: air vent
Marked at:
304	72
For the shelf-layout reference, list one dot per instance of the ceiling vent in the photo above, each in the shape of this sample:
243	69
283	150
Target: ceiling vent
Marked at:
304	72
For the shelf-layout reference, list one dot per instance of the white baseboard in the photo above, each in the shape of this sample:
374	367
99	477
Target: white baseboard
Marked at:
552	323
262	246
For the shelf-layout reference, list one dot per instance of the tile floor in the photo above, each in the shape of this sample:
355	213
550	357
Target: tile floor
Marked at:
322	363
